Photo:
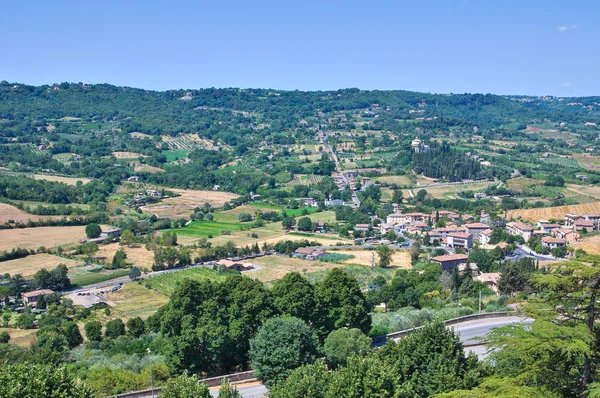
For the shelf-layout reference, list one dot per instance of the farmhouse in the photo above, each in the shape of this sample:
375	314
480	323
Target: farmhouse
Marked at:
408	218
31	298
552	242
333	202
216	188
485	236
463	240
133	179
581	224
449	261
309	253
446	214
110	233
234	265
362	227
519	229
476	228
153	193
490	279
567	234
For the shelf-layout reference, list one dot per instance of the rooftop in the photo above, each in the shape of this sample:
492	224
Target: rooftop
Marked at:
450	257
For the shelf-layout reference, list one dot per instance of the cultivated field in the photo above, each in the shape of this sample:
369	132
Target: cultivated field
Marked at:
587	190
27	266
8	212
66	180
557	212
591	162
189	142
322	239
128	155
183	206
400	258
32	238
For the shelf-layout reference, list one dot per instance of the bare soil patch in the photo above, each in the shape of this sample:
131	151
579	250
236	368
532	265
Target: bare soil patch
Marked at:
590	244
27	266
128	155
146	168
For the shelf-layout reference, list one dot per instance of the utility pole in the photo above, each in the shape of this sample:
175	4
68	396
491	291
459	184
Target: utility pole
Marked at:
151	379
480	301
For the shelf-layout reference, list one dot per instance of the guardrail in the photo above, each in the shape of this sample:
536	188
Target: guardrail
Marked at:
381	340
234	378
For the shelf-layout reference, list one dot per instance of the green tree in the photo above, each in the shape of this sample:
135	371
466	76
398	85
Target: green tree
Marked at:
184	386
115	328
558	350
281	344
482	258
32	380
136	327
385	256
134	273
340	303
288	222
93	331
293	295
168	238
306	381
343	343
415	251
305	224
17	284
4	337
72	334
245	217
89	249
118	260
228	391
25	321
127	238
560	251
93	231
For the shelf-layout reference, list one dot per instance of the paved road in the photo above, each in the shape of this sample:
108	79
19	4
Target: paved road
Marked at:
249	390
522	252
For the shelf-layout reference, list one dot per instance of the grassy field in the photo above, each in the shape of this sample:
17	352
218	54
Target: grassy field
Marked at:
136	255
449	191
22	337
166	283
590	244
591	191
66	180
184	205
324	216
557	212
363	275
273	268
135	299
27	266
399	180
177	154
90	278
202	229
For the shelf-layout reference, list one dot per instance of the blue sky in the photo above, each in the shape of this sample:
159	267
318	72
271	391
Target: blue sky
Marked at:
488	46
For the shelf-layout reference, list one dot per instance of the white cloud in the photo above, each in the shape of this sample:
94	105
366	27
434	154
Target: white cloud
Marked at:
565	28
567	84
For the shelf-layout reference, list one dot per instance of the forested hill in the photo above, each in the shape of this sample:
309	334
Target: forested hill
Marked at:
176	111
